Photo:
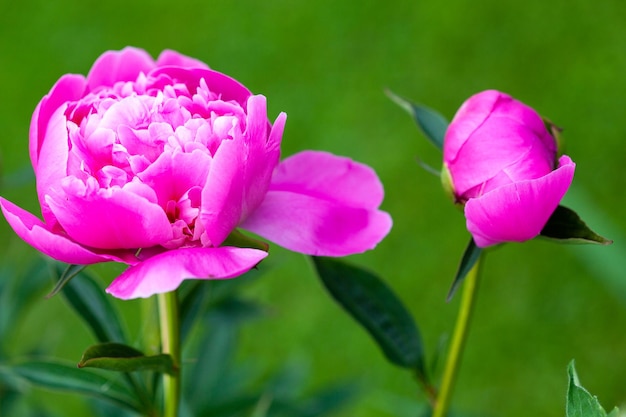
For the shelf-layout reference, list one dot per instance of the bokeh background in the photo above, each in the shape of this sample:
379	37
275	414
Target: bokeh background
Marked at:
327	64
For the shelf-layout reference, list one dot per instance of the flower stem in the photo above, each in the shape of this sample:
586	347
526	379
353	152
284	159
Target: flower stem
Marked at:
170	343
459	337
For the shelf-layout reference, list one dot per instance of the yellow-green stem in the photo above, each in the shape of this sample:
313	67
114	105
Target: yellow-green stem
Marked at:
170	343
453	361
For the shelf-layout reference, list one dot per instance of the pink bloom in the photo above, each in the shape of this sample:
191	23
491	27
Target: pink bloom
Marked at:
155	164
502	164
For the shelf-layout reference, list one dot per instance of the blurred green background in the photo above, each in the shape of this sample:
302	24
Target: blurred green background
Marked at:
326	64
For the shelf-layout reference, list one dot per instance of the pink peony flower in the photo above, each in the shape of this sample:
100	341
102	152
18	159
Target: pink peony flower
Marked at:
155	164
501	162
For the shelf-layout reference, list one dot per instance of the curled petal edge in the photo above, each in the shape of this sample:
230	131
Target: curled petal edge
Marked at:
39	235
318	227
166	271
517	212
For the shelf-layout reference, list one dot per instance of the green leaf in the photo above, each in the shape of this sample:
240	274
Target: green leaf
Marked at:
193	295
88	299
580	403
469	259
123	358
70	272
375	307
566	226
215	351
66	377
432	124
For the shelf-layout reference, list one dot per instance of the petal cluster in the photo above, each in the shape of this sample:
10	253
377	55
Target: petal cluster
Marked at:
155	163
503	167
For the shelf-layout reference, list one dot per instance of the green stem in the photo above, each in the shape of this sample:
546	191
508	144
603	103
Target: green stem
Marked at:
458	340
170	343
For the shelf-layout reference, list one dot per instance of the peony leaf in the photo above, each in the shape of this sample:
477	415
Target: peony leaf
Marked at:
432	124
88	298
566	226
66	377
580	403
372	303
70	272
193	295
469	259
123	358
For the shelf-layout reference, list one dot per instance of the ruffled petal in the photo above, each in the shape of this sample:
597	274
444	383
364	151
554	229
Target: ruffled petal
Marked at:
173	58
324	205
114	66
173	174
69	88
227	87
166	271
39	235
109	219
517	212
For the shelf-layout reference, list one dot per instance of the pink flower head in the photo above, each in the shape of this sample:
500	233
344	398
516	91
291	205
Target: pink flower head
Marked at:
502	164
155	164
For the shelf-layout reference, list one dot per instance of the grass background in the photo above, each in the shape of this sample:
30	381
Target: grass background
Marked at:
326	64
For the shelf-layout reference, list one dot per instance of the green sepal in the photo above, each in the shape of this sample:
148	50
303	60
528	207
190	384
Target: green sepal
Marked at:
374	305
555	131
239	240
123	358
432	124
580	403
566	226
614	413
58	375
468	260
447	184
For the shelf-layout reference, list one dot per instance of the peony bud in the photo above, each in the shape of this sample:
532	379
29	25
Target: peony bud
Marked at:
500	162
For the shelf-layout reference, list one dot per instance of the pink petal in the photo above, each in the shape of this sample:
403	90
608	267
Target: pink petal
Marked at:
173	58
53	158
109	218
69	88
313	226
501	144
321	204
327	176
482	108
517	212
172	175
472	113
114	66
39	235
166	271
240	173
223	193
